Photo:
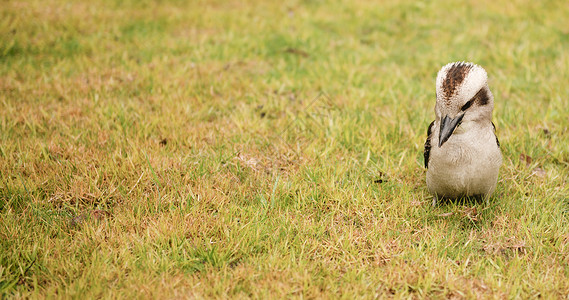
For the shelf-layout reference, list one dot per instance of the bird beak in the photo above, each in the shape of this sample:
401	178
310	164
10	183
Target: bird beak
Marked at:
447	128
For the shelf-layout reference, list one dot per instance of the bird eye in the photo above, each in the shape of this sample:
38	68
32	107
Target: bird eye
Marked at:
467	105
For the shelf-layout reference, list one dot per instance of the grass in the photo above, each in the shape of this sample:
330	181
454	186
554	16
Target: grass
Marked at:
173	149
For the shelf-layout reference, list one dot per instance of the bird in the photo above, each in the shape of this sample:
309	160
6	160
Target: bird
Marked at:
462	152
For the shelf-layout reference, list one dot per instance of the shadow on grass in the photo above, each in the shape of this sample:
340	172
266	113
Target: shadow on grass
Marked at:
466	212
472	200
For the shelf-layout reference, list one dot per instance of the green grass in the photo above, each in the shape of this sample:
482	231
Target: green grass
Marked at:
222	149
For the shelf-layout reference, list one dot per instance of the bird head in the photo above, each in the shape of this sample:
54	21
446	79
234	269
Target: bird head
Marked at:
462	96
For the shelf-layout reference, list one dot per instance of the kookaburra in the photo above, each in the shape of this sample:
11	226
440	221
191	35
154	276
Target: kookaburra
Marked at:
462	152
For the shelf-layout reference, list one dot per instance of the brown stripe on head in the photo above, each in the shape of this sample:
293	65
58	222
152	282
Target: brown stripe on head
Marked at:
482	97
454	77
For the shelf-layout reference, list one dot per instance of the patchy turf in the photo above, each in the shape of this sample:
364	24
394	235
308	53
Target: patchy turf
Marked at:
227	149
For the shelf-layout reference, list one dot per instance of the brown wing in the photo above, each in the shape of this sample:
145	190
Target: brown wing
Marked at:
497	142
427	151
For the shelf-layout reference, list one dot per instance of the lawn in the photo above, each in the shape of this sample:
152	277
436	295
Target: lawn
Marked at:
257	149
